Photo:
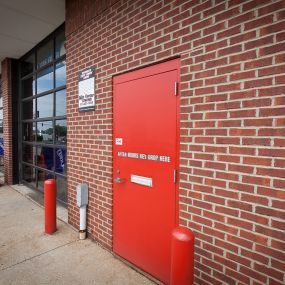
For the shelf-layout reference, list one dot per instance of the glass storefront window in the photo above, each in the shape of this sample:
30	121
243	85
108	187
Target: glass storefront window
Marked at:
60	160
45	132
29	175
29	154
28	87
45	106
42	176
29	131
29	109
60	103
45	80
27	65
43	114
61	187
45	54
60	131
60	45
45	157
60	74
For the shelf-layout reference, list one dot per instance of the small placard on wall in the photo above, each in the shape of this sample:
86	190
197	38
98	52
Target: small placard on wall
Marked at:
86	90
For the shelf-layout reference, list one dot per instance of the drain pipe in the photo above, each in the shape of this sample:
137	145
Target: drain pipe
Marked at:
82	202
82	228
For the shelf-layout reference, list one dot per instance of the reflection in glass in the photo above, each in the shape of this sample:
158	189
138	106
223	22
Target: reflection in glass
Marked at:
60	103
60	160
45	54
43	114
45	157
45	106
29	131
45	80
29	175
45	132
29	109
28	87
29	154
27	65
61	187
60	131
60	74
1	131
42	176
1	98
60	45
1	114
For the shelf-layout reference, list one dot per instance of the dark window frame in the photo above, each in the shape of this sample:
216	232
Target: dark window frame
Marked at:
54	145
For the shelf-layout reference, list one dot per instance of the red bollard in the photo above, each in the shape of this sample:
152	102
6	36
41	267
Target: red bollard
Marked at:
50	206
182	257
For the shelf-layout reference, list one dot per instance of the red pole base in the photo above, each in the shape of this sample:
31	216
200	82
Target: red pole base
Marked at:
50	206
182	257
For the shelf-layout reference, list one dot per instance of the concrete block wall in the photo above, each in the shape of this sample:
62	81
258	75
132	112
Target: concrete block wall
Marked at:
232	154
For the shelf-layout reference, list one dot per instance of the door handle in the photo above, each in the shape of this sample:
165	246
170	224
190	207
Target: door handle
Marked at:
119	180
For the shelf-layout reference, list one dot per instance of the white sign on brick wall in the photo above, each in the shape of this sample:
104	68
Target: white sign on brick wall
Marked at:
86	90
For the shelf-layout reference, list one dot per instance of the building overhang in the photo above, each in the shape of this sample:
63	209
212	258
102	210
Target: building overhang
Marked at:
23	24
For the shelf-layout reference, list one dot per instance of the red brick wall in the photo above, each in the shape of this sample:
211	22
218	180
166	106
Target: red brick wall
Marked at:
232	175
7	119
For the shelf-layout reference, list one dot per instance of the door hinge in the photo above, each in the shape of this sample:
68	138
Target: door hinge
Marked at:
174	176
175	88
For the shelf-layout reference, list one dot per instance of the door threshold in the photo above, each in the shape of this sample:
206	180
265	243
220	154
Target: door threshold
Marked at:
147	275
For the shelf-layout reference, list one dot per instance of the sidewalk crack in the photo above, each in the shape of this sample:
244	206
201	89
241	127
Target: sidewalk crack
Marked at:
32	257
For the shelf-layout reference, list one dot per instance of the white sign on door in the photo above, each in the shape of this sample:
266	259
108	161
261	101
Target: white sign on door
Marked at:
119	141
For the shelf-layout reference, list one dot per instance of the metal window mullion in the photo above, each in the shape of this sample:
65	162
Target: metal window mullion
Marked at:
36	114
60	118
38	167
60	175
20	126
54	145
27	76
45	93
53	120
61	58
38	120
42	144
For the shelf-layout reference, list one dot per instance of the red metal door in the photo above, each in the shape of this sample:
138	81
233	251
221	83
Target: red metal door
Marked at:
145	163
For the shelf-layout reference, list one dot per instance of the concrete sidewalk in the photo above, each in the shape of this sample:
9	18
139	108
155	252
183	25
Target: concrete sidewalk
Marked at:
28	256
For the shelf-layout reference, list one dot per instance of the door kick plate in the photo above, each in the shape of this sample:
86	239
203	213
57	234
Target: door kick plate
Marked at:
146	181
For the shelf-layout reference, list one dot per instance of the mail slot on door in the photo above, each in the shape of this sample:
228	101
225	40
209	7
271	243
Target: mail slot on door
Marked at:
146	181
